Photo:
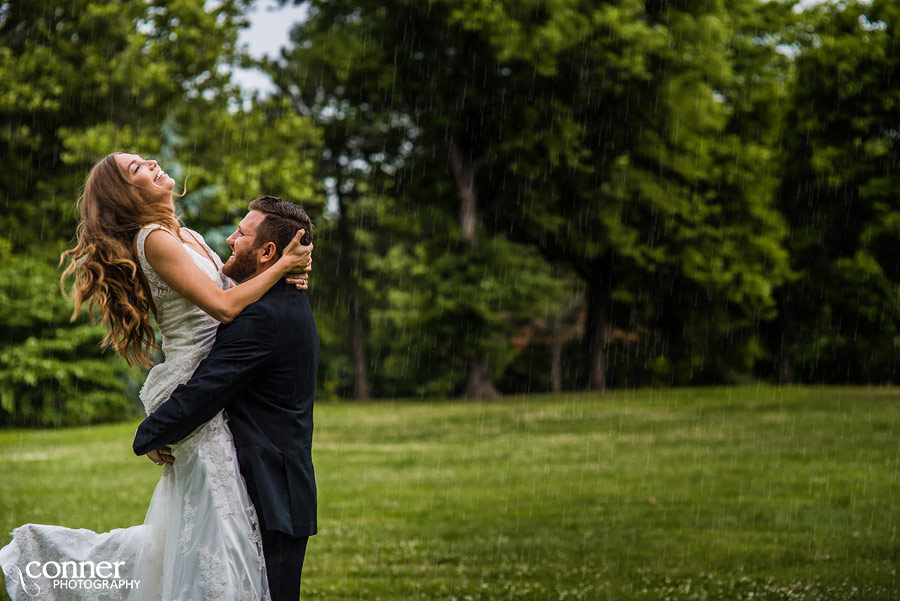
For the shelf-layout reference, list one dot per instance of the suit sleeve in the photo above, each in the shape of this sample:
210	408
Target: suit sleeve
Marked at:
241	349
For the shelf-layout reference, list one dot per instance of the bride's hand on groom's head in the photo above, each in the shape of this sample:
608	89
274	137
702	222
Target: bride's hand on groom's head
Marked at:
299	256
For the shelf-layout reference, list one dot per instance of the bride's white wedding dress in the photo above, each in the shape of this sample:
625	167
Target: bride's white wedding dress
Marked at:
200	538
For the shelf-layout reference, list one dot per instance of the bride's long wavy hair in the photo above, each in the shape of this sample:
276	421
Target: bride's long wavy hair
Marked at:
104	261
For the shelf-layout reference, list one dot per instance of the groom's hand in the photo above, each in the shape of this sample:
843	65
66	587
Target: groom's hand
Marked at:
162	456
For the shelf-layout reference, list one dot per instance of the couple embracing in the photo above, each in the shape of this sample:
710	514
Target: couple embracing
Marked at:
229	410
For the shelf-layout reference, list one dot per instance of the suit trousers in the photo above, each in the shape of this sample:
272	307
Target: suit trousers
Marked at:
284	562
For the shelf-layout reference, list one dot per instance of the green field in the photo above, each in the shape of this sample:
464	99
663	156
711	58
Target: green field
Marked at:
711	493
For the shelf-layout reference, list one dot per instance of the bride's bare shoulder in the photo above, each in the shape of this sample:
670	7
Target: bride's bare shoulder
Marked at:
161	245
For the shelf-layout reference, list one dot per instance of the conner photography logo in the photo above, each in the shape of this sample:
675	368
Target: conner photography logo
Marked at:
69	575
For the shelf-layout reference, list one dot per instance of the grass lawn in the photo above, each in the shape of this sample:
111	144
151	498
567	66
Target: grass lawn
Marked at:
711	493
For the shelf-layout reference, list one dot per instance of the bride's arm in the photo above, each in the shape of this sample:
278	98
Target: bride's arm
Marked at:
173	264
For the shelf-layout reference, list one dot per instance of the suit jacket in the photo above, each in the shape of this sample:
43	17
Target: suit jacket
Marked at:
262	371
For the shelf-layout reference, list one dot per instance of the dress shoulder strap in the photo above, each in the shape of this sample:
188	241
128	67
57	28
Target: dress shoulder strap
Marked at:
150	227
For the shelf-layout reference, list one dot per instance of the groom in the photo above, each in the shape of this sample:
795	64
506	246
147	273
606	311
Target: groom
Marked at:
262	371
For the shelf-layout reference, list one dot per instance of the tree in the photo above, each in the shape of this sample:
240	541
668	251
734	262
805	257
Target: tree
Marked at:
840	198
609	135
392	86
632	166
571	120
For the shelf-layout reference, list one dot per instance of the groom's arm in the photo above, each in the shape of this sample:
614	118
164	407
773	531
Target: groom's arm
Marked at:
238	354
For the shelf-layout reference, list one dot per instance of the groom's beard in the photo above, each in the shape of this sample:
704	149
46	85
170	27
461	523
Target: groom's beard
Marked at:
242	267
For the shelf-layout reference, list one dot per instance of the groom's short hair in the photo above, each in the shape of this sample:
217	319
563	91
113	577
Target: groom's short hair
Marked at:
281	223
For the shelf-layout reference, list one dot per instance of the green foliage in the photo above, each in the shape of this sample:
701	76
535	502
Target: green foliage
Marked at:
396	216
235	156
841	197
643	173
444	303
48	382
621	139
52	373
110	72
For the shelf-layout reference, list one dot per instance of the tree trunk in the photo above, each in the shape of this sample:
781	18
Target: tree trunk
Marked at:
349	273
358	350
782	339
464	175
556	348
479	384
595	333
784	362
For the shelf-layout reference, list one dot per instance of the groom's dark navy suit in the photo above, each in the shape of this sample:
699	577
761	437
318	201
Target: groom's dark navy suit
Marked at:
262	371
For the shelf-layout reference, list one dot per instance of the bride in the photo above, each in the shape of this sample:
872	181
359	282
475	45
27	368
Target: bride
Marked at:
200	538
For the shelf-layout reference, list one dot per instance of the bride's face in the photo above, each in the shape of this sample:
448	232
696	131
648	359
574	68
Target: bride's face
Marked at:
146	175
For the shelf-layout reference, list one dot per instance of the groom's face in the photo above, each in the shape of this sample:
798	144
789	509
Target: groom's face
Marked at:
244	262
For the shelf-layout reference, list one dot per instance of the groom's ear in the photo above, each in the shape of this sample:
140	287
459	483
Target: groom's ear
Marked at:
269	252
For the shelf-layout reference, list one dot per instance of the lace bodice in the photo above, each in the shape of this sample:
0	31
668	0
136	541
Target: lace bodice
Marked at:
187	332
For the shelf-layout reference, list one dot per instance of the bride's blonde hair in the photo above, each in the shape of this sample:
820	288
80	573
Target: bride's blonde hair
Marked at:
104	261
